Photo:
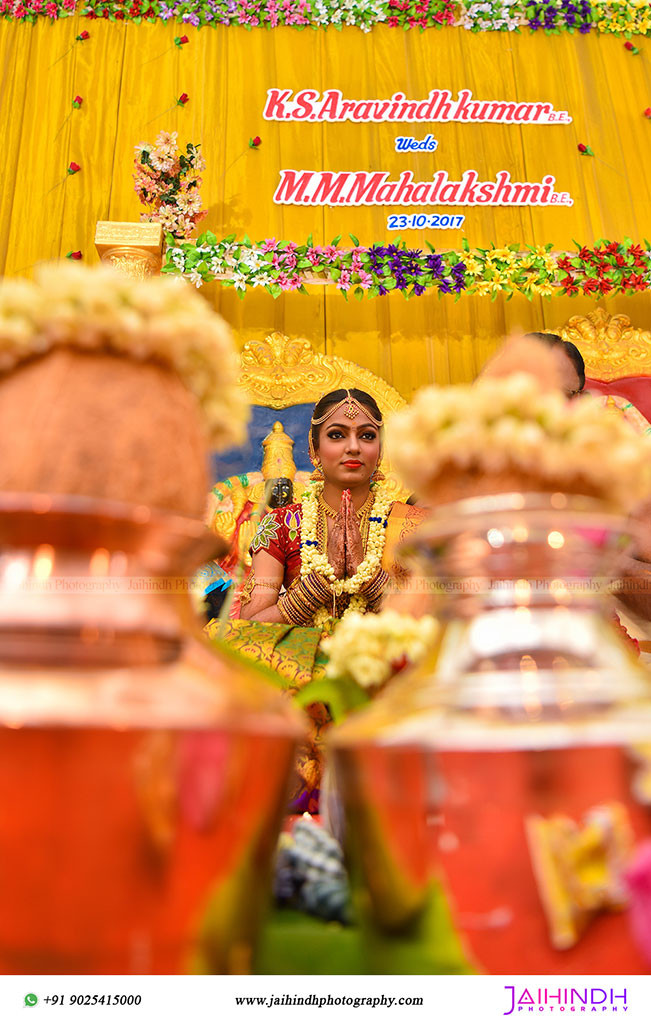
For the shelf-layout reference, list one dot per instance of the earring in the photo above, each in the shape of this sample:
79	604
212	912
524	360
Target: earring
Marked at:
314	459
377	475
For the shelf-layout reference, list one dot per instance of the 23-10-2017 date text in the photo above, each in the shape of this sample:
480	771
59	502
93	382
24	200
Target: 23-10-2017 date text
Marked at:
400	221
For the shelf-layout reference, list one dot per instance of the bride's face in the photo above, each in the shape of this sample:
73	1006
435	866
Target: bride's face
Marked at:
349	450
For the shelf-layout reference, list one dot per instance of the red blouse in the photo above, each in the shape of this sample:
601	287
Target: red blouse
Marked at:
279	533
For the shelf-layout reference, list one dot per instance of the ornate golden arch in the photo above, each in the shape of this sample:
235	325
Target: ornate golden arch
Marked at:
610	345
281	371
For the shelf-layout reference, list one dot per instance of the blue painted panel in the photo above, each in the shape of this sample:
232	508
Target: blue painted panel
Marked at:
247	458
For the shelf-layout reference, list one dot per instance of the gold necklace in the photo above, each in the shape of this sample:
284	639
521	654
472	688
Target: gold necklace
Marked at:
324	510
361	512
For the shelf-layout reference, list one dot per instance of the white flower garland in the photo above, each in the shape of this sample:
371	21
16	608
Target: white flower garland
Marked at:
501	424
369	647
312	560
98	309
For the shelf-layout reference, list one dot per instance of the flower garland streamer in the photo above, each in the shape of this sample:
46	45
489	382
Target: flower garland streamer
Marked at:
76	105
73	168
606	268
312	560
69	8
619	17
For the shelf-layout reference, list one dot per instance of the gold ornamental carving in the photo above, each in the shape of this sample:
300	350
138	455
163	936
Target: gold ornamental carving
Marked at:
610	345
282	371
134	249
133	262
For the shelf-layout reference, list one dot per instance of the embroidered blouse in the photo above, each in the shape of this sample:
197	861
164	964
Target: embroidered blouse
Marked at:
279	533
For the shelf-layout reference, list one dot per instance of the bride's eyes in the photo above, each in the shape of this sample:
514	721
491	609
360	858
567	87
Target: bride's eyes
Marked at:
336	435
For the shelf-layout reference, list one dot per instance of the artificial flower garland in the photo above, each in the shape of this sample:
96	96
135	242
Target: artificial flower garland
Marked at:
607	268
621	17
167	181
313	560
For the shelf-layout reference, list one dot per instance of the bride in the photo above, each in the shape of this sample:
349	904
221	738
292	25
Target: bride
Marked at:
316	560
331	553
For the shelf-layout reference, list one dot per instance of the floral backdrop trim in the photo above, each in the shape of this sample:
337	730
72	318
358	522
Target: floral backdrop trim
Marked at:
281	266
622	17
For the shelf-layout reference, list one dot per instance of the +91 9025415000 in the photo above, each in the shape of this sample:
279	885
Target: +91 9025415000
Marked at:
401	221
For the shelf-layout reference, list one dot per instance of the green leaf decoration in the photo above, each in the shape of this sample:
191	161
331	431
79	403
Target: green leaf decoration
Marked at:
342	695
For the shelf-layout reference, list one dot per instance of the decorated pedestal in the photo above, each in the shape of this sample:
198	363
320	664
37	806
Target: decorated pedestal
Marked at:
508	768
133	249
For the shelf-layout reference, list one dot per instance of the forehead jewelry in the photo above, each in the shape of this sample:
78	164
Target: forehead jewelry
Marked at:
352	409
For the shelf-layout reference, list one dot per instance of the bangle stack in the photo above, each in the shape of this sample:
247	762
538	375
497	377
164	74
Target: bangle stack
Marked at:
376	586
301	601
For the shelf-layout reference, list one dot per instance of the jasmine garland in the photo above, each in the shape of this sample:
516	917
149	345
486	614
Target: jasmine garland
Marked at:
312	560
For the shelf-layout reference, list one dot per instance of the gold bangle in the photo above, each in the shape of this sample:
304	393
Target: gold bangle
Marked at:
247	590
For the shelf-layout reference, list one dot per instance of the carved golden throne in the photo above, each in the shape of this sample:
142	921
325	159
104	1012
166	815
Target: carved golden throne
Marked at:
617	359
283	378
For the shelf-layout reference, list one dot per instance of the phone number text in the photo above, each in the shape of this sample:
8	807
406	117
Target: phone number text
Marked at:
93	1000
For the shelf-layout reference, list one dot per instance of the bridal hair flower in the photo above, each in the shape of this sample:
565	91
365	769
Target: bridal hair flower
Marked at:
160	319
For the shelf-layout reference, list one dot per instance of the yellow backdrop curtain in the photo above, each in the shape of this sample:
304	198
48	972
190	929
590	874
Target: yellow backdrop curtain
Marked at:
130	76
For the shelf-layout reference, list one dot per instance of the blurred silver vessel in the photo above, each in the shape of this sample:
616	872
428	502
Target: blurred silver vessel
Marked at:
507	767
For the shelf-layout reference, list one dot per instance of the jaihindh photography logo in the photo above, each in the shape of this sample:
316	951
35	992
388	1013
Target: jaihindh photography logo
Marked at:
564	1000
